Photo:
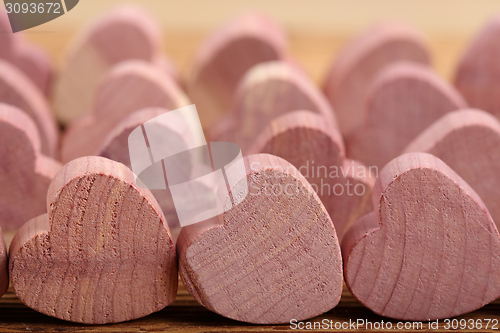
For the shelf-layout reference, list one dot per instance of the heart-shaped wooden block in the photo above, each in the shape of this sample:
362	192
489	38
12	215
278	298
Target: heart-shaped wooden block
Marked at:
272	258
430	248
17	90
267	91
316	149
404	100
128	87
25	174
123	34
102	254
29	59
225	57
478	73
468	141
349	79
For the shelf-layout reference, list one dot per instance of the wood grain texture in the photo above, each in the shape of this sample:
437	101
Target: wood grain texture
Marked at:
4	266
403	100
272	258
358	63
267	91
116	147
225	56
186	315
102	254
28	58
477	75
429	249
128	87
123	34
316	149
25	173
468	141
17	90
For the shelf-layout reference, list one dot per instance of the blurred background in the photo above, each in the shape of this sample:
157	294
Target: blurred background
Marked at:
316	29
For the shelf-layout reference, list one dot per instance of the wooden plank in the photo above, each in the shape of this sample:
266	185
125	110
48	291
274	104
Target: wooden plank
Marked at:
186	315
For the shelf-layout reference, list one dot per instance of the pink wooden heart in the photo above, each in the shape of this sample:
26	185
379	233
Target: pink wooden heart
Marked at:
429	249
102	254
267	91
272	258
17	90
128	87
350	76
404	99
224	58
123	34
468	141
316	149
25	173
478	73
28	58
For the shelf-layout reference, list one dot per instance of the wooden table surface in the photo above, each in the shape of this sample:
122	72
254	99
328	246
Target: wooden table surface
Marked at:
186	315
314	52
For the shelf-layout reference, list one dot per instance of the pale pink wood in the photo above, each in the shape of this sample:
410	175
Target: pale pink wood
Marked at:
102	254
267	91
272	258
25	173
168	67
224	58
404	99
4	267
478	73
316	149
428	250
28	58
353	69
128	87
468	141
122	34
17	90
115	147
